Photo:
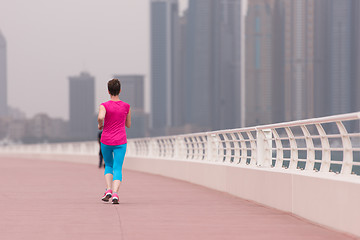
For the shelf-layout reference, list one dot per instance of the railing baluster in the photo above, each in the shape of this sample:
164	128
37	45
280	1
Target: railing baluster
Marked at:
310	153
325	145
347	162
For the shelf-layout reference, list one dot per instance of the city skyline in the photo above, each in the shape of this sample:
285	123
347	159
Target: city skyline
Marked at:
300	62
48	42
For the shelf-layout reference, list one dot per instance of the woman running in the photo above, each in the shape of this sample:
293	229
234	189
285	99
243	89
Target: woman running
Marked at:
113	116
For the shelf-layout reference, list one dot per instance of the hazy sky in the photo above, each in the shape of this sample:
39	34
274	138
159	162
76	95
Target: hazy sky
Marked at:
50	40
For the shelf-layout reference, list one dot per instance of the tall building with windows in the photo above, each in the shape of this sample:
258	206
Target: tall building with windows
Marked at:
357	54
199	78
82	107
321	59
336	56
3	76
164	30
259	62
278	62
299	59
341	71
212	68
228	59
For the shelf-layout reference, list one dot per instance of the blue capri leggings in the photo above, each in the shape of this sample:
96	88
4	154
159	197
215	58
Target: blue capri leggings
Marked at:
114	159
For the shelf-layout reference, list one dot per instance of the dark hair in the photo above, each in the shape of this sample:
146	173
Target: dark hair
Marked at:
114	87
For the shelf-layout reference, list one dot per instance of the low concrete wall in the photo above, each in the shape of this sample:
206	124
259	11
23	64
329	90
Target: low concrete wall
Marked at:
325	198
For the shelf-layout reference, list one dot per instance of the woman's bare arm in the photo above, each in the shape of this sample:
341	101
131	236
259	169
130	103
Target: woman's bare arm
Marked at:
101	117
128	119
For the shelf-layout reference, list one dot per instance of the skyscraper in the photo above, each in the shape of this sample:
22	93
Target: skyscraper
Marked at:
299	59
336	56
3	76
321	59
199	67
213	63
278	53
82	107
164	27
357	42
180	86
259	62
341	71
228	59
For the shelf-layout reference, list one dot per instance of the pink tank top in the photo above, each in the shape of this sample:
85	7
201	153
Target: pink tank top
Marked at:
114	132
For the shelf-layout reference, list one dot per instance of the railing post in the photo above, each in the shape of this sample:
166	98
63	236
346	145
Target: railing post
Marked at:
177	147
211	147
263	147
346	167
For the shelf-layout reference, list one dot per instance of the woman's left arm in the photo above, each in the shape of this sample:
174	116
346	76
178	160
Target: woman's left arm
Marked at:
101	117
128	119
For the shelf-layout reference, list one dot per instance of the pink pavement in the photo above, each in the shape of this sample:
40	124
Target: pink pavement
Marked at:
57	200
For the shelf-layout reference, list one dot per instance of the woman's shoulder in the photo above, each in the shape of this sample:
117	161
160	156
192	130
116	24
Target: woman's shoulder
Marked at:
123	103
126	104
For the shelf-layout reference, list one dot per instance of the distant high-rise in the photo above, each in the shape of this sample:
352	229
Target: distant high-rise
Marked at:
278	62
341	60
182	90
321	59
259	62
200	83
164	28
227	55
356	28
337	27
299	59
132	90
3	77
213	63
82	107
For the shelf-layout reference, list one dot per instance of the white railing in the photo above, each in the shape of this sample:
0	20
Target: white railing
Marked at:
328	144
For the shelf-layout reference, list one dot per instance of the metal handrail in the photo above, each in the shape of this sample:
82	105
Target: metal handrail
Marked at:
317	145
263	145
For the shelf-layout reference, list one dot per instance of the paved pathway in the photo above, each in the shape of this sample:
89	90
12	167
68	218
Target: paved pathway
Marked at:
42	199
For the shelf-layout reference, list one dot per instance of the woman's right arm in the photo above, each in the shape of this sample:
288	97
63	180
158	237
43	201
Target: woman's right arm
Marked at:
101	117
128	119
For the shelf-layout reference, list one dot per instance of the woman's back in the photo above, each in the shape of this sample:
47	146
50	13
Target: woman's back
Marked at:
114	132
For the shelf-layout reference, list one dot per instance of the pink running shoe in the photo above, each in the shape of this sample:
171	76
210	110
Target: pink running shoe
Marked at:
107	195
115	199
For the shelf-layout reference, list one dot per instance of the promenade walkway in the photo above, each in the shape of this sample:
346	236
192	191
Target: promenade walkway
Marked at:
42	199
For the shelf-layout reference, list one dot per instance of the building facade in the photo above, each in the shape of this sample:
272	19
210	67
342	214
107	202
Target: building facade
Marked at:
3	77
212	70
336	56
259	62
164	25
228	58
340	37
82	122
199	55
357	43
299	59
